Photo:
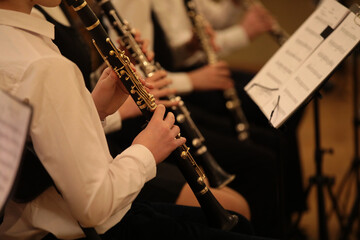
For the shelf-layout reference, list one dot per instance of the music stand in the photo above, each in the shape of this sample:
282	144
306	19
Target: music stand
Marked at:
355	165
320	180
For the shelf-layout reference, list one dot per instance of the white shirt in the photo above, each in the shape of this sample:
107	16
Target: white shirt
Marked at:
113	122
224	17
68	137
175	22
138	14
231	39
221	13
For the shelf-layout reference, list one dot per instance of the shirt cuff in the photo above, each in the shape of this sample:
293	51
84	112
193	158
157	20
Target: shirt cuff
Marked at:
231	39
113	123
181	82
147	160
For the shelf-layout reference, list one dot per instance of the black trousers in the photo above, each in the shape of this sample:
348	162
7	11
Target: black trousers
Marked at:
147	220
254	166
168	221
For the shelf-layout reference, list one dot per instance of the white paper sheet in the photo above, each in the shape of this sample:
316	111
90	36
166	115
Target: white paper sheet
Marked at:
304	61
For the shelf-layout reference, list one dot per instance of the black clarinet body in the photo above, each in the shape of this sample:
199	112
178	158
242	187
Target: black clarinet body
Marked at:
233	102
217	216
217	176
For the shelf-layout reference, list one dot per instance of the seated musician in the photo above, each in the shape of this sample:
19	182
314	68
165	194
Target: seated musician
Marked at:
93	189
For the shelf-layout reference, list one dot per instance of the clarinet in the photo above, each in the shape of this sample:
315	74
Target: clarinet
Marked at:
218	177
216	215
233	103
277	32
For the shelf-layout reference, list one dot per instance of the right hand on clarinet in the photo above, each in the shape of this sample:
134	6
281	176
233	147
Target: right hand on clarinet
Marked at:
160	83
212	77
160	135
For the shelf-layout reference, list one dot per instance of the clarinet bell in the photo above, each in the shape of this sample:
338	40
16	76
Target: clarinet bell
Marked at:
216	175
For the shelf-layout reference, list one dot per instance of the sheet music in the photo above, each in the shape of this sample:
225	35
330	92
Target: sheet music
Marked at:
304	61
14	124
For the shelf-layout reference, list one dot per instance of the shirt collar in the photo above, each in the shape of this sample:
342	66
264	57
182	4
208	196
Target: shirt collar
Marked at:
27	22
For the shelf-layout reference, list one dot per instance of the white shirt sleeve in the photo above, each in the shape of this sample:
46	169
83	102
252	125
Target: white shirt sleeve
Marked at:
68	137
181	82
231	39
178	30
112	123
220	14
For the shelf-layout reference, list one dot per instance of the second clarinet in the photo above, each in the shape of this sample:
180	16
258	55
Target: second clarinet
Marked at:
233	103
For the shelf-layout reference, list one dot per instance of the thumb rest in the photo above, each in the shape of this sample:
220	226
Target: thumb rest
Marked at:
216	215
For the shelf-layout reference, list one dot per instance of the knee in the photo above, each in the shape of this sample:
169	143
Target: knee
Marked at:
227	197
233	201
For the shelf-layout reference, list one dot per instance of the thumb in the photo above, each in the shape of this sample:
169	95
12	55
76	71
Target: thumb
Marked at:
109	76
106	72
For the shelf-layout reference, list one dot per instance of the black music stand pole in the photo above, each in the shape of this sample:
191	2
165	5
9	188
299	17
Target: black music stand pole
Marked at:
319	180
355	166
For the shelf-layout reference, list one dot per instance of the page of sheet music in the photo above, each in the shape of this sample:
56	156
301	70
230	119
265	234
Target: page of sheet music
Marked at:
14	123
304	61
315	69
